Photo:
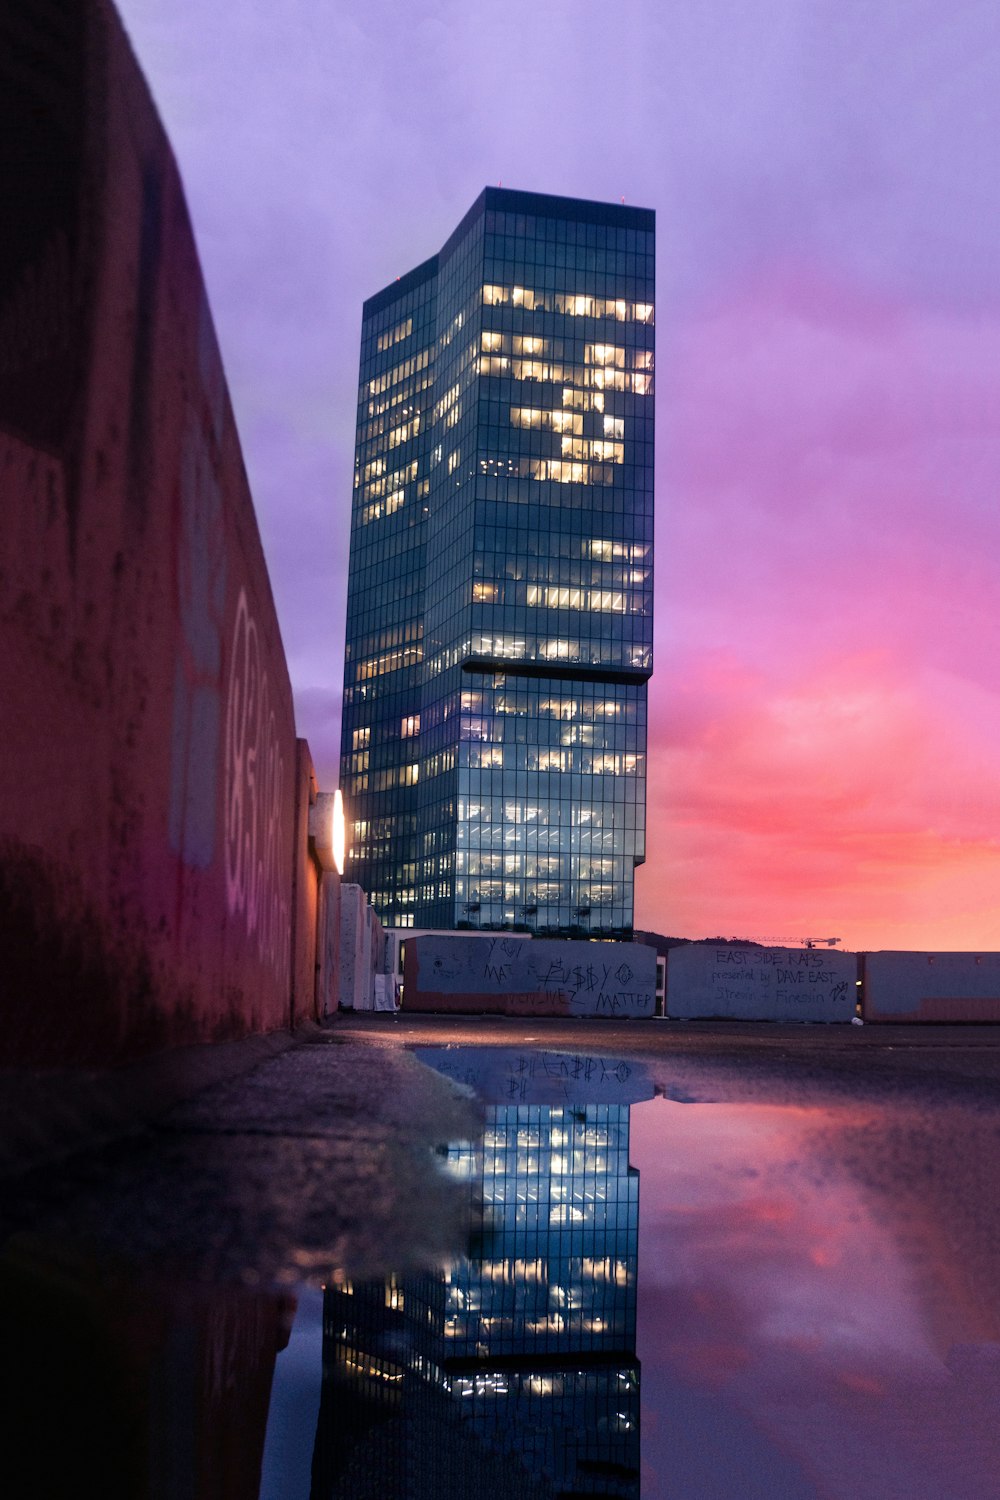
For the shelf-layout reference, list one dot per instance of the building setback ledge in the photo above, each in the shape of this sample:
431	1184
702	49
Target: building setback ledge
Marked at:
494	665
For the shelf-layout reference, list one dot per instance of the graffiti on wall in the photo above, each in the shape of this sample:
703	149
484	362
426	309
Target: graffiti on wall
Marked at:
257	884
539	976
755	983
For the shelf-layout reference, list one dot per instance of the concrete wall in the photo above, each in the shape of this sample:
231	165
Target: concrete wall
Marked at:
362	949
511	975
328	947
396	939
722	981
151	790
931	986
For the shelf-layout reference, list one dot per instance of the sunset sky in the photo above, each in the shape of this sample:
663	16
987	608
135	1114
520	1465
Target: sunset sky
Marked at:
825	715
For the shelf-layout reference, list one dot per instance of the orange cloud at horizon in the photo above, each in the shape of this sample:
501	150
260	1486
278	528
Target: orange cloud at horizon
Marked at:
847	805
824	755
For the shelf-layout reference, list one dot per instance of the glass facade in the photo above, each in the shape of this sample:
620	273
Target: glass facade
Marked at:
499	620
518	1361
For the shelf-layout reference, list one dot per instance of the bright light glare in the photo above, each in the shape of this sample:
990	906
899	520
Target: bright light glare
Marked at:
337	831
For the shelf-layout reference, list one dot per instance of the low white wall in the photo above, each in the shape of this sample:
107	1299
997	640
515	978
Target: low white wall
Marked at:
514	975
903	986
723	982
361	949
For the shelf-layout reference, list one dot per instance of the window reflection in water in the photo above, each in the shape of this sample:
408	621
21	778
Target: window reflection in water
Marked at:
519	1355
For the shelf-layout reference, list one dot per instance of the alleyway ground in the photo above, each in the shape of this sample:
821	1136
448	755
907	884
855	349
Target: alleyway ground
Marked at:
280	1156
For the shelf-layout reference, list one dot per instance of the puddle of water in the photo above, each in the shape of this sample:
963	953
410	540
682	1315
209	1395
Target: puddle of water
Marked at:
516	1360
798	1332
660	1296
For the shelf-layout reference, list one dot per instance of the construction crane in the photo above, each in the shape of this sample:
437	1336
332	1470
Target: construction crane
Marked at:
787	942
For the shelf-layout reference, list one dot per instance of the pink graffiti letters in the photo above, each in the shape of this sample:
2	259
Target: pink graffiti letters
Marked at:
255	778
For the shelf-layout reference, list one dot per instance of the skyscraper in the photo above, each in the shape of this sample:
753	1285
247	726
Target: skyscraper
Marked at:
499	614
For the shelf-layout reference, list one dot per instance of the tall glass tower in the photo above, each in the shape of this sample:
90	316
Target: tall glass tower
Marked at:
500	595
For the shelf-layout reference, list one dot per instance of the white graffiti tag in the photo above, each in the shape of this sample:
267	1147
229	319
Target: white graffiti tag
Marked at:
256	883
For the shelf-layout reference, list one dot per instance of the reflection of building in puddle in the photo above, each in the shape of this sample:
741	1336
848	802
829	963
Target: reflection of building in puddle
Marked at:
523	1351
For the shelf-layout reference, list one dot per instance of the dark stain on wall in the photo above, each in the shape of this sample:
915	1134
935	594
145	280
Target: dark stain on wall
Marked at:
48	169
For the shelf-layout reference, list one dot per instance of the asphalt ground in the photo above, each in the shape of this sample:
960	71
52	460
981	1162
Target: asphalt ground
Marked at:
272	1160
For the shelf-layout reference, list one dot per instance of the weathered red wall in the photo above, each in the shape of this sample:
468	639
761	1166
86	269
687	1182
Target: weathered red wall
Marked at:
148	762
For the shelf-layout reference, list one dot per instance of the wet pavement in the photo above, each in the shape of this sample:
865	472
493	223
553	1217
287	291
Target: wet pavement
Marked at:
559	1258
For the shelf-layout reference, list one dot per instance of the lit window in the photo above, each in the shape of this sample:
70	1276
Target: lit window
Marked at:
608	356
410	726
583	400
493	364
395	335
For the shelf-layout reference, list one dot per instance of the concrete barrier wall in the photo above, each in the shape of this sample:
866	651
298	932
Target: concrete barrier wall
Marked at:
719	981
511	975
362	949
328	947
149	776
901	986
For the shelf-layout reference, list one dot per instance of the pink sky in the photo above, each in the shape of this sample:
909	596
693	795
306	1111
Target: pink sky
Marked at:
825	714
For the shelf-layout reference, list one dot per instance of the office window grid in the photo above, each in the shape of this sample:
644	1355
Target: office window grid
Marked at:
384	645
502	527
527	1343
554	1262
550	802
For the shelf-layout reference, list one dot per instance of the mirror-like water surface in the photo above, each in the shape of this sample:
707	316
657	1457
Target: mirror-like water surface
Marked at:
806	1325
671	1282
